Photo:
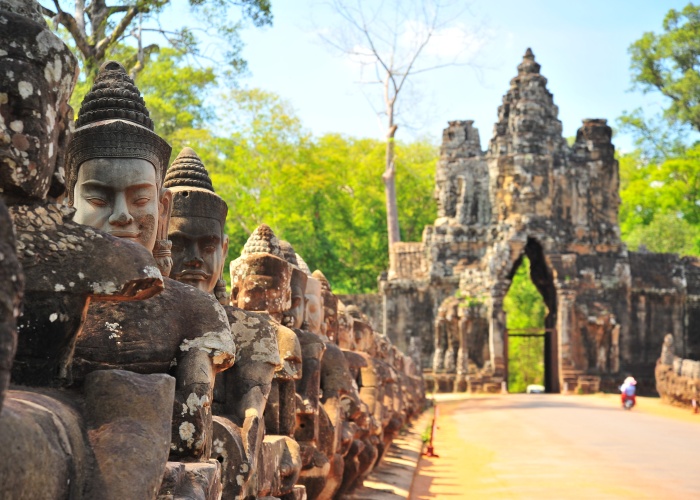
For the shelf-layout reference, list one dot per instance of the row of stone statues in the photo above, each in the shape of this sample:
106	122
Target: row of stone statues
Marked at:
132	373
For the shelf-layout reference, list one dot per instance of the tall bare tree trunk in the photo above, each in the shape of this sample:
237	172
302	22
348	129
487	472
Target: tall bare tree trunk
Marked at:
392	211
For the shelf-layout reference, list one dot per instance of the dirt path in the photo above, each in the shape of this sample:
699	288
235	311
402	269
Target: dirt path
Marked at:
561	447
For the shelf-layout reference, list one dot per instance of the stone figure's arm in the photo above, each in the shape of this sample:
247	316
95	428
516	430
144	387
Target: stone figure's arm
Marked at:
254	380
192	415
199	359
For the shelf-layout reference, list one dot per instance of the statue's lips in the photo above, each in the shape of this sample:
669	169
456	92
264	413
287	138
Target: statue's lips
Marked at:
125	234
193	275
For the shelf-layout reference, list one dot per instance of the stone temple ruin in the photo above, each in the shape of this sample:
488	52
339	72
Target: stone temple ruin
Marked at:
126	369
531	194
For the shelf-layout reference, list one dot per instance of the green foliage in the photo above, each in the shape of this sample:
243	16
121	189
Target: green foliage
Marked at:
667	63
95	29
655	137
670	63
174	92
524	308
324	195
470	301
661	203
428	431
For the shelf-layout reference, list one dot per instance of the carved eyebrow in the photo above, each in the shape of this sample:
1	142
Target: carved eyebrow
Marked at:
94	183
180	234
142	185
98	184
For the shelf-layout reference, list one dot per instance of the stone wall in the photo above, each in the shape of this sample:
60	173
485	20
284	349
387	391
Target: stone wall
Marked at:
371	304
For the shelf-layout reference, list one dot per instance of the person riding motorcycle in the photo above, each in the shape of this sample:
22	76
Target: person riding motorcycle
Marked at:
628	391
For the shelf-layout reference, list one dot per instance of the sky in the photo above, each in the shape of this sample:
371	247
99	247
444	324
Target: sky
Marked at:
582	47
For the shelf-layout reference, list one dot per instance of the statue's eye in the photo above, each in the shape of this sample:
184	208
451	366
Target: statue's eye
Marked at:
97	202
141	201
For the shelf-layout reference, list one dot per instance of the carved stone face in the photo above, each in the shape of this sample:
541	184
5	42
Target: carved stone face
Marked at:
346	334
313	314
199	251
364	337
121	196
290	354
261	282
294	317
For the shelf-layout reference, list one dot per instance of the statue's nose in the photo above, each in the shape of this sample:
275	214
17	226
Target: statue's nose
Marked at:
121	219
194	260
120	214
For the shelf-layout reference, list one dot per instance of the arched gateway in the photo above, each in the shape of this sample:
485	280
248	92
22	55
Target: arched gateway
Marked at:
532	194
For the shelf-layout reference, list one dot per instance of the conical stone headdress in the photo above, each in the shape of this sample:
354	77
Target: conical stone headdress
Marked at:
193	191
263	240
113	122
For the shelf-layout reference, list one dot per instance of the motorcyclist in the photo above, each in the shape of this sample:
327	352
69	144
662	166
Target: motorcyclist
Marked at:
629	390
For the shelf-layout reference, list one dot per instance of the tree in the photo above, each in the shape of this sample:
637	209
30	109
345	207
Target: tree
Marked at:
661	203
390	39
524	309
667	63
96	28
269	169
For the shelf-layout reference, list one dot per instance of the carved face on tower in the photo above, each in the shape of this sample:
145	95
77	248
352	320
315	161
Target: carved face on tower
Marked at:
115	162
197	223
39	72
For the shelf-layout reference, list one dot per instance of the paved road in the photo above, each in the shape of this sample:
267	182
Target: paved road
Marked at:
551	446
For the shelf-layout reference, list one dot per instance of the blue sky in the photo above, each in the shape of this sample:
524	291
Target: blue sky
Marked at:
582	47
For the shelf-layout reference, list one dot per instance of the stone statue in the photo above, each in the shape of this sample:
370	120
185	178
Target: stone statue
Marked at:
199	247
60	443
116	163
261	282
315	465
339	393
668	353
115	168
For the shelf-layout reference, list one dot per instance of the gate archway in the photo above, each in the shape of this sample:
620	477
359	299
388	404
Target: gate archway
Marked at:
541	277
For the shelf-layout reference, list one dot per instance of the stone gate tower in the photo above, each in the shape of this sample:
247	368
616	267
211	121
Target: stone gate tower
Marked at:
532	194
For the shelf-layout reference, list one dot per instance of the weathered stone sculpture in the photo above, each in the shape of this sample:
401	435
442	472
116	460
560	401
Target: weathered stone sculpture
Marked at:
339	396
677	379
58	443
94	412
240	394
261	282
115	168
315	465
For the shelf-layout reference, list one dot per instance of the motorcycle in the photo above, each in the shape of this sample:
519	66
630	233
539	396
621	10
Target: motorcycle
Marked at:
628	402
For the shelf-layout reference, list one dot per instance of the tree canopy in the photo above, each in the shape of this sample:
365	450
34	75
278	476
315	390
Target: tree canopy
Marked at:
96	28
660	180
667	63
320	193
